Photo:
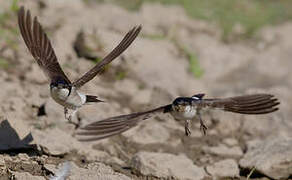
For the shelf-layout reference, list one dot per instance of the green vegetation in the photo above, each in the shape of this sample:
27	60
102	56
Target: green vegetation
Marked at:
14	6
249	14
195	67
3	63
8	30
120	75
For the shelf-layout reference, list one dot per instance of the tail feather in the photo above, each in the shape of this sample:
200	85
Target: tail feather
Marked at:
90	99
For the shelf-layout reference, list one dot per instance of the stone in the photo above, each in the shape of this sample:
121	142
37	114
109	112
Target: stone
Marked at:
94	171
271	157
224	168
58	141
230	141
23	157
50	167
229	123
149	131
164	165
223	150
48	138
26	176
2	164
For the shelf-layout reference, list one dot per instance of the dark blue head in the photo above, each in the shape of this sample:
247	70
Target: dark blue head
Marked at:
182	101
60	84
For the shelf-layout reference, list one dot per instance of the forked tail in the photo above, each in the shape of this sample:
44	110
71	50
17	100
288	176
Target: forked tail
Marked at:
90	99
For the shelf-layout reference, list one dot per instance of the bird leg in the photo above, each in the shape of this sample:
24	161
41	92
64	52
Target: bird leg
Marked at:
69	116
187	127
66	113
203	127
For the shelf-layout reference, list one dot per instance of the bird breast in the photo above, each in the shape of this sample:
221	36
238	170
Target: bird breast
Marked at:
184	112
72	101
60	94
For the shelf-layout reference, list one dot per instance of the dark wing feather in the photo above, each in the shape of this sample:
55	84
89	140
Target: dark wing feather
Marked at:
39	45
123	45
248	104
116	125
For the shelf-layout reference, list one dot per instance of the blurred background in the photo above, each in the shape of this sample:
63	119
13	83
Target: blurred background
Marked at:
218	47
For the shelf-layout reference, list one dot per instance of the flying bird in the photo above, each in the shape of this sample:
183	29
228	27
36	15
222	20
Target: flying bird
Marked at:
182	108
63	91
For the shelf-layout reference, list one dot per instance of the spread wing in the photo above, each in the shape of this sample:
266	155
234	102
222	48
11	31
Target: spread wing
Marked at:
116	125
39	45
248	104
123	45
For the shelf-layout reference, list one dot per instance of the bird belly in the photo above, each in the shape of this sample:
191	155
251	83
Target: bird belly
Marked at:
188	113
76	100
73	101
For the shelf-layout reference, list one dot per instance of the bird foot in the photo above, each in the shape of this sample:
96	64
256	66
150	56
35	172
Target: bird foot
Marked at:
76	124
69	117
187	127
203	128
187	131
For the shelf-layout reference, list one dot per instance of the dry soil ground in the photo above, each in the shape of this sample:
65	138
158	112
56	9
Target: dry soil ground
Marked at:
152	72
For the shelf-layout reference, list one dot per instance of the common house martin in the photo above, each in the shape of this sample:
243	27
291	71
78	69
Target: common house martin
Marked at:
63	91
182	108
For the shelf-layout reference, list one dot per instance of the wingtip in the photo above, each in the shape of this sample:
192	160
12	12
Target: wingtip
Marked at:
20	12
139	26
21	9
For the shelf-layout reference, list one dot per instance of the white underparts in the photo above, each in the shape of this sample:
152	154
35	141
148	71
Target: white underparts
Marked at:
61	94
73	101
188	113
83	97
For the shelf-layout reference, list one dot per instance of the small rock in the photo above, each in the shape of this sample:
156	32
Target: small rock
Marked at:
50	167
2	160
95	171
272	157
2	164
163	165
7	158
26	176
148	132
224	168
228	122
56	140
23	157
230	141
223	150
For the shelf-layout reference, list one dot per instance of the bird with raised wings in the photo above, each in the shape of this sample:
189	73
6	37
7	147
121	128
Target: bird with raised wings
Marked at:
182	108
62	90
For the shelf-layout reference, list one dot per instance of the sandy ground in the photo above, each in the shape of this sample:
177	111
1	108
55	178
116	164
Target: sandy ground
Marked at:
156	71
